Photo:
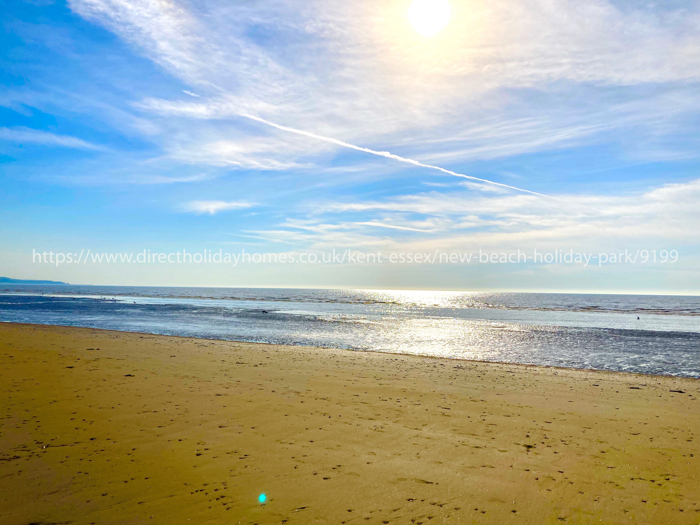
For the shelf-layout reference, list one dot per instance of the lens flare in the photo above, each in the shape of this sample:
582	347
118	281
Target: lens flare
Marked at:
262	498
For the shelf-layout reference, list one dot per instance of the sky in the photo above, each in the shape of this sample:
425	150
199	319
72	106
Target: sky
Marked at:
302	127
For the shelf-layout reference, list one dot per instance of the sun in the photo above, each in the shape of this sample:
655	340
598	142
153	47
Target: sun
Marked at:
429	16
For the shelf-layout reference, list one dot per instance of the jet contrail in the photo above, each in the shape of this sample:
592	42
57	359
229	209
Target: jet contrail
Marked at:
389	155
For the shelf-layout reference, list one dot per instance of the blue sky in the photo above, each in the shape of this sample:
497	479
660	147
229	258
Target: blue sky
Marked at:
139	124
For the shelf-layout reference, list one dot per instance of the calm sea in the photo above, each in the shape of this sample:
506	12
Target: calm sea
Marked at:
646	334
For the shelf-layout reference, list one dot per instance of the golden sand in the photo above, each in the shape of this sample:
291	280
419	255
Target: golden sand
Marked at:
108	427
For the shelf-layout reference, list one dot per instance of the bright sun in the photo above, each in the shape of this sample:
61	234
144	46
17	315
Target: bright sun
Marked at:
429	16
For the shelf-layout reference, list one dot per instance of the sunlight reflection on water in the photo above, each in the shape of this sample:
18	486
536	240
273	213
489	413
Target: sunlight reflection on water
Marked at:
631	333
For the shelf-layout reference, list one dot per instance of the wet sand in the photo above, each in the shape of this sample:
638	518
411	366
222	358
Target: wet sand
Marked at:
107	427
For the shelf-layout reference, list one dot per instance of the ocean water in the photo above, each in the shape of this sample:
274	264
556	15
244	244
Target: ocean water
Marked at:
644	334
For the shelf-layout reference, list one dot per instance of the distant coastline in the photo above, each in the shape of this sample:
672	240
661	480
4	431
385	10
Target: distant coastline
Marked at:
7	280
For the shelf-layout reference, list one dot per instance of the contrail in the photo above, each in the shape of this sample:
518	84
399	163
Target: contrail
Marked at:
389	155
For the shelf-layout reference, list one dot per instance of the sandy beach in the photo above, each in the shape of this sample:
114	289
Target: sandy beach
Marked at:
108	427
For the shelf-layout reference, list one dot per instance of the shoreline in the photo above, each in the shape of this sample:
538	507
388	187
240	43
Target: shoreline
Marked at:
422	356
113	427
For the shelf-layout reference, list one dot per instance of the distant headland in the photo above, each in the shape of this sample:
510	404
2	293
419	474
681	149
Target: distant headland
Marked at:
7	280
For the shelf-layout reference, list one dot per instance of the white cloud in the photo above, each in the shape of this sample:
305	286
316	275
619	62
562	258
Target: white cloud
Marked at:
26	135
165	179
212	207
356	71
666	217
378	224
130	176
268	239
255	153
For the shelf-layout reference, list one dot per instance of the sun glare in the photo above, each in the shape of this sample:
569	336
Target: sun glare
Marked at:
429	16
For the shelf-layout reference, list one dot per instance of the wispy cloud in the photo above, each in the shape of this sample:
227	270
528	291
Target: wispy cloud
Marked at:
164	179
388	155
392	226
358	73
662	217
268	239
33	136
251	153
213	207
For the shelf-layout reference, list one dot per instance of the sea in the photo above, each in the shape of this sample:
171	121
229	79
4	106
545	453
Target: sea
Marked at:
648	334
